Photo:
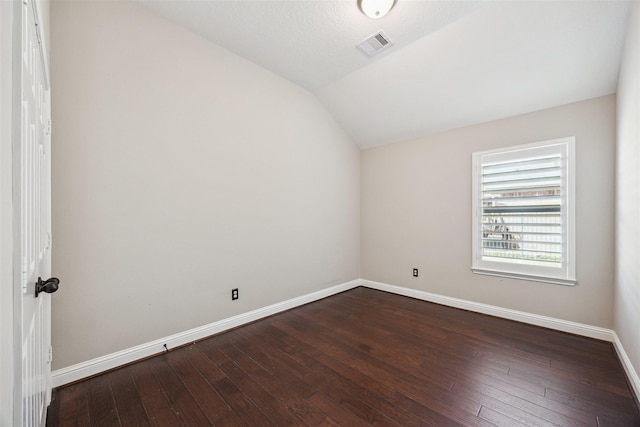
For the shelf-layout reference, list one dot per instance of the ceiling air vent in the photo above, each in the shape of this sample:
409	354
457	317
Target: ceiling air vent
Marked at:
375	43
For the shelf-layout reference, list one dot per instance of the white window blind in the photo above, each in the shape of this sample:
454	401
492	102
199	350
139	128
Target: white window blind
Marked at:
523	213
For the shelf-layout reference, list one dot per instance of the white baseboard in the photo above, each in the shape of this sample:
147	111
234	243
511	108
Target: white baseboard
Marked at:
101	364
524	317
632	375
520	316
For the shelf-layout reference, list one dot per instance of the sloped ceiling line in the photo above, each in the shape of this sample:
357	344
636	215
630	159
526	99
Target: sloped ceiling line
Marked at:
453	64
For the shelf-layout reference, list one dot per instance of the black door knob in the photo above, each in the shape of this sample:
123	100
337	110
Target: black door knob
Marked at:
48	286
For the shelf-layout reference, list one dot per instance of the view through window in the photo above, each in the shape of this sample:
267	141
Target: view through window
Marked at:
523	213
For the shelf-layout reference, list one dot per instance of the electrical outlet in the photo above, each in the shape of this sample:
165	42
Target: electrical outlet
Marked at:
415	272
234	294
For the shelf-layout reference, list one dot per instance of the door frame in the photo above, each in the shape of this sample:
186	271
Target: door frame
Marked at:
8	282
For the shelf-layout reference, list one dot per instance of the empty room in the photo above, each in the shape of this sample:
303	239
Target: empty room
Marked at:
319	213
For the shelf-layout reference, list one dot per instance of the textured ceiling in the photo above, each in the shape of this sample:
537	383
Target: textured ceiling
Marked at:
454	63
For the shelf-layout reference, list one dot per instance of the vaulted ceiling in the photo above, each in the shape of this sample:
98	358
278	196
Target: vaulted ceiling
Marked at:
453	63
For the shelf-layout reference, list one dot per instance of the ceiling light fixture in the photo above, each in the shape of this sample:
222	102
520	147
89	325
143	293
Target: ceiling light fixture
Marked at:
375	8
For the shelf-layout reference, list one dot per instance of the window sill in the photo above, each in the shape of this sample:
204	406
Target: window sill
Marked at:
498	273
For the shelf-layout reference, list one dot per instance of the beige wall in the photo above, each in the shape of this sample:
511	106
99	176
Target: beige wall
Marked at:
181	171
416	212
627	284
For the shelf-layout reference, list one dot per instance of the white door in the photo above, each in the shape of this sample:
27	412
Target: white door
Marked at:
32	198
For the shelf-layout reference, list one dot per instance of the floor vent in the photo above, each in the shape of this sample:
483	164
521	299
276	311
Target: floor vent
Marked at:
375	43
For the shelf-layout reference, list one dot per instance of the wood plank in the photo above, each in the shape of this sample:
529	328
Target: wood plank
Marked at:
73	406
155	402
182	402
128	403
365	357
287	397
203	392
101	403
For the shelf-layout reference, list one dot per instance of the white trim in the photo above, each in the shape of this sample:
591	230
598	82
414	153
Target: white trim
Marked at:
8	393
632	374
565	274
541	279
492	310
43	42
113	360
524	317
95	366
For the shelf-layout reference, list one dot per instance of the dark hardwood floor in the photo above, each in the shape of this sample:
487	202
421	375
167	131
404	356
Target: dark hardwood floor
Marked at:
361	358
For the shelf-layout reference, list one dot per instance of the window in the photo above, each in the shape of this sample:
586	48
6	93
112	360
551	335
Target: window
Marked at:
524	213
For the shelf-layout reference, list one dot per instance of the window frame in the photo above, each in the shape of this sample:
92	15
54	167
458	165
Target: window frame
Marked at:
566	273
